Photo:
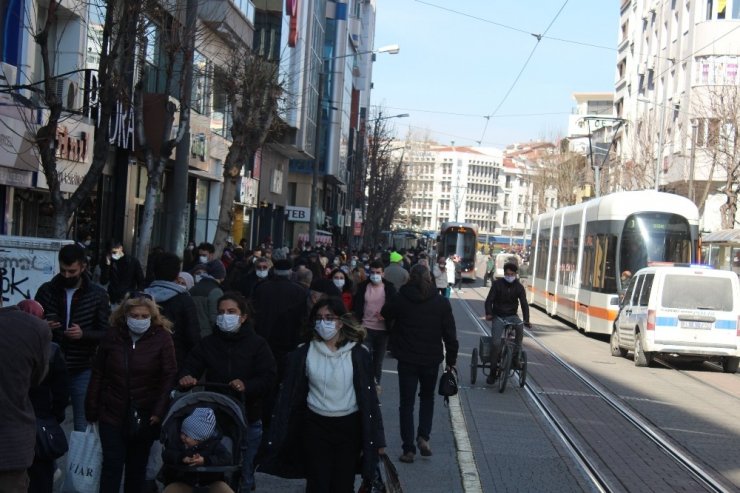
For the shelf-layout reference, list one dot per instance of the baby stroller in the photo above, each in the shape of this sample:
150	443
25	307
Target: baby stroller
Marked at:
231	426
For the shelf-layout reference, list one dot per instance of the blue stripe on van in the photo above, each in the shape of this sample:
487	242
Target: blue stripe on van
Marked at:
666	321
725	324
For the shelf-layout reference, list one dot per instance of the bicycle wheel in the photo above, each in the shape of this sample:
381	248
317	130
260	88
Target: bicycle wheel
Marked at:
474	366
522	368
505	367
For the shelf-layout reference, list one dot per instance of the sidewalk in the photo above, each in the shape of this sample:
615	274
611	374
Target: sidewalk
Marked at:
438	473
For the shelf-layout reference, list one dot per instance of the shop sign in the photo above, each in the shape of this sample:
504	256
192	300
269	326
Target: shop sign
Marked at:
16	178
16	149
298	214
248	191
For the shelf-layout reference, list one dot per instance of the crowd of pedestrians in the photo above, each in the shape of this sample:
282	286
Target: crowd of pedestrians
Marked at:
298	338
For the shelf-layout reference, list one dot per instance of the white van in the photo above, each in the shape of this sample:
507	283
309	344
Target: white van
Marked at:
503	259
680	310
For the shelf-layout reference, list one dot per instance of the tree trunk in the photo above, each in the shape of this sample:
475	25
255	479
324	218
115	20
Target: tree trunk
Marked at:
226	212
147	216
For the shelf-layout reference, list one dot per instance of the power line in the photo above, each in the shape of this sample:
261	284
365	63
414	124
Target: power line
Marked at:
472	115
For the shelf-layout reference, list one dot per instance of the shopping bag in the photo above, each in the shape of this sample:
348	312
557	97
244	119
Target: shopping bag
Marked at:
84	462
389	475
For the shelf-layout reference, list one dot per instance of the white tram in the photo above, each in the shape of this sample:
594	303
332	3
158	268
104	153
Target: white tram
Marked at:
582	254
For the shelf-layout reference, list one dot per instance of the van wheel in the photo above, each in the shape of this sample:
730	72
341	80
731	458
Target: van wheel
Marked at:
614	344
730	364
642	358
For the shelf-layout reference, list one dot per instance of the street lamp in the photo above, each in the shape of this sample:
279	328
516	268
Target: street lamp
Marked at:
390	49
599	121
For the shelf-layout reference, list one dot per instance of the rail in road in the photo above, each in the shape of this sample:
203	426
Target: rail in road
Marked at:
616	447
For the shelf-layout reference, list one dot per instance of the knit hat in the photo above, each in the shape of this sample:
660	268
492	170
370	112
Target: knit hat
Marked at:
200	425
283	267
31	307
215	268
396	257
189	281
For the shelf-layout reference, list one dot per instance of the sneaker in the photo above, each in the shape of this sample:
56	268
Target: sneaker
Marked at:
424	447
378	390
407	457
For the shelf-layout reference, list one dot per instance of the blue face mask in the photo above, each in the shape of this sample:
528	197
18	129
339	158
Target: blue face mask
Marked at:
510	279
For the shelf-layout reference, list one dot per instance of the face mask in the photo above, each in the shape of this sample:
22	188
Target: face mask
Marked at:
138	325
116	256
261	273
191	247
339	283
375	278
70	282
336	261
510	278
353	264
228	322
326	329
203	259
87	243
197	278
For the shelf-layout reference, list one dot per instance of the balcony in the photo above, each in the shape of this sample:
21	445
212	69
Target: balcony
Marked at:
233	20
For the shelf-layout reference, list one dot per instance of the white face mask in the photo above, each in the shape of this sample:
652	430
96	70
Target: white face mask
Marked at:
197	278
116	256
262	273
326	329
510	278
138	325
339	283
203	259
228	322
376	278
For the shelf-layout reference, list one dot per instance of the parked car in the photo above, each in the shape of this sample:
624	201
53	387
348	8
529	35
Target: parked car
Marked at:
689	311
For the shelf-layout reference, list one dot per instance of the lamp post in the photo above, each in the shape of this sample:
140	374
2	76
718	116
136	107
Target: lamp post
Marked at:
390	49
599	122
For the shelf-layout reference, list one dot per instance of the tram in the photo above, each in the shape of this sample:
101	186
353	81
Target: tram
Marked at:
459	239
584	254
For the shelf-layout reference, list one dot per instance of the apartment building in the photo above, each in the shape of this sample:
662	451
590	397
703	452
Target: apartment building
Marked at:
677	88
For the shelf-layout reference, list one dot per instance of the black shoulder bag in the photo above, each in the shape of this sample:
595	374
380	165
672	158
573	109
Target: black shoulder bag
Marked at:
448	384
51	442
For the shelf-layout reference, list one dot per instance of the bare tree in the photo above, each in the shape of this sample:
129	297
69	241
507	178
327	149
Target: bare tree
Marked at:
563	171
386	180
114	70
253	91
636	170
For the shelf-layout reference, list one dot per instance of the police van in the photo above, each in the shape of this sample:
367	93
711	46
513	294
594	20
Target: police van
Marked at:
686	310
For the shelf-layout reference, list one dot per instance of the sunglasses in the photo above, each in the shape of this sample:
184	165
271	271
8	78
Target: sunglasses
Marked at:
140	294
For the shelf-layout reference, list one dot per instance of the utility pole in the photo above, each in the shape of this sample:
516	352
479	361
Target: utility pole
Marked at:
316	164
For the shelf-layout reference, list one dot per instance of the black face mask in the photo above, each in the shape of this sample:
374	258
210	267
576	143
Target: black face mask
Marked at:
70	282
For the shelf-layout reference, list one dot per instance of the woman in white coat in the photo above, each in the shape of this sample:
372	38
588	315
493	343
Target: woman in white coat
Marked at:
450	269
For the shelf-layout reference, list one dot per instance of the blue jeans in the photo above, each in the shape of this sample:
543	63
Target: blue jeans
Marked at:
249	450
377	342
411	377
78	381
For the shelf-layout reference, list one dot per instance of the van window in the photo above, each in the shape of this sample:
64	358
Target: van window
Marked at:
630	290
697	292
636	294
647	285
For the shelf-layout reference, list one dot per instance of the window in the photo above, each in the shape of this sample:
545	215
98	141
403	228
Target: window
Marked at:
201	87
692	292
647	285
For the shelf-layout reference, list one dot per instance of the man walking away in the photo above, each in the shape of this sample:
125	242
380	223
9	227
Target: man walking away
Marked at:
206	292
121	272
395	272
490	267
77	312
24	352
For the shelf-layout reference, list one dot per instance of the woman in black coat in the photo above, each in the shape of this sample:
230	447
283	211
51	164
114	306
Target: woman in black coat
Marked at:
419	320
327	420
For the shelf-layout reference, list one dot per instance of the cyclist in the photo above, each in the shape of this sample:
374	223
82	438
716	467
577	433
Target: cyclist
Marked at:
502	304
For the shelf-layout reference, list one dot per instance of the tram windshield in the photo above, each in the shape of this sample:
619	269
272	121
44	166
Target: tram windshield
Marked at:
458	241
654	237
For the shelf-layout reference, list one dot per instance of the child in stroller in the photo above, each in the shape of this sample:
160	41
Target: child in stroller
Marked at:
201	437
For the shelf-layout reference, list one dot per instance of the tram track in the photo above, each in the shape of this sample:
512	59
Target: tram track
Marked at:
596	466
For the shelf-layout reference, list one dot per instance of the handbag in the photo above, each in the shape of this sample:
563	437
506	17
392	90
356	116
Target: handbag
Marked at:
51	442
386	478
84	462
448	384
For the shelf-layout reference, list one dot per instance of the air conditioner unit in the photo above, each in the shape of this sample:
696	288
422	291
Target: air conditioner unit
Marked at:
641	68
355	29
650	64
8	74
66	90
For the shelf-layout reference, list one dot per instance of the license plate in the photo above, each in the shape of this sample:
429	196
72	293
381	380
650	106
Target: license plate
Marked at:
693	324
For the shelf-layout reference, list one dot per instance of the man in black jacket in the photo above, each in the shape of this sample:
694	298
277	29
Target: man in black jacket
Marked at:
502	304
79	329
121	272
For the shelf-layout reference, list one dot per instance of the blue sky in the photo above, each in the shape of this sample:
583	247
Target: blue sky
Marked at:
452	63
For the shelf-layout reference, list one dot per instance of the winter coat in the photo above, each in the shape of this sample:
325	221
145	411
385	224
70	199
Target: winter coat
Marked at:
285	454
122	275
358	302
179	308
50	398
440	277
248	283
205	294
450	270
418	325
504	299
214	454
24	353
396	274
90	310
243	354
280	306
141	373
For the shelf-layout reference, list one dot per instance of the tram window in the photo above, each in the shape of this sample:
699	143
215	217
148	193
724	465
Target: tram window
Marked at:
569	256
587	271
543	246
647	285
555	252
604	270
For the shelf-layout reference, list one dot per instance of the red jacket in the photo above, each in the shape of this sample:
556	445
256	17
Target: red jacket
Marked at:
151	375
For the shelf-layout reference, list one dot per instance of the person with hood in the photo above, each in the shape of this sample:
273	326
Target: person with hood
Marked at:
369	298
176	304
235	355
395	272
133	374
206	293
502	305
420	321
328	419
77	312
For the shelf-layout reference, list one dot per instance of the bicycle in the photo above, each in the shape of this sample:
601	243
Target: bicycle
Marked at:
506	357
